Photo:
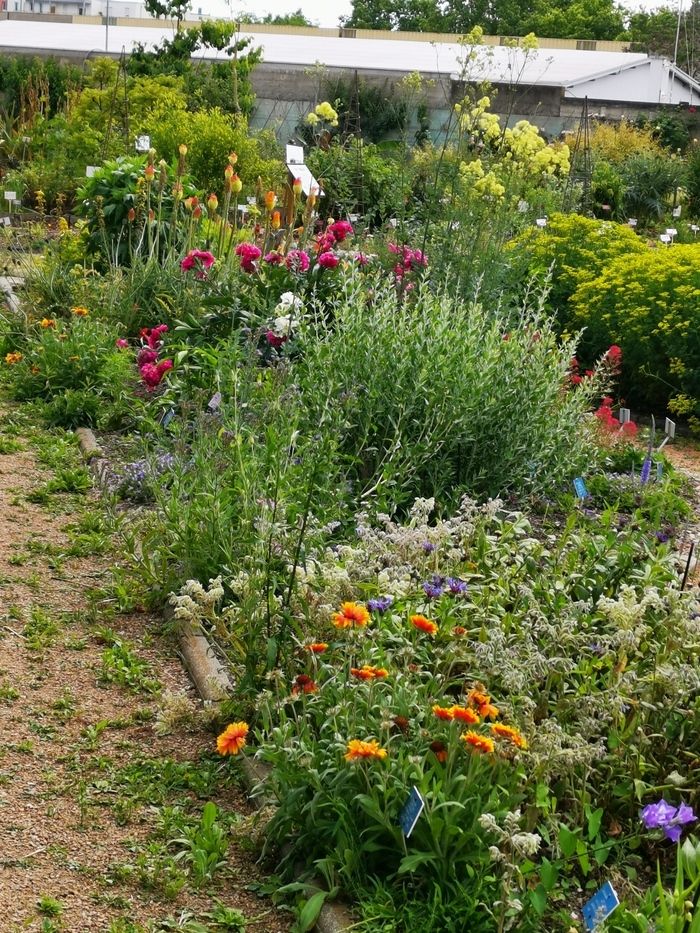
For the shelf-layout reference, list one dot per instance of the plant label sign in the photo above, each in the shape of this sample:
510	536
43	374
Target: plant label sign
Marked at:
167	417
541	221
677	211
694	228
412	809
143	143
659	470
580	488
670	428
214	402
10	195
6	221
523	207
600	906
665	238
671	231
90	170
624	415
632	222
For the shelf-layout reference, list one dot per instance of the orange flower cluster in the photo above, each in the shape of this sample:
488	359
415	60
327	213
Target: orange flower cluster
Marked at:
424	625
232	739
79	311
12	358
460	713
351	614
47	322
317	647
304	684
358	750
509	734
480	743
482	702
369	673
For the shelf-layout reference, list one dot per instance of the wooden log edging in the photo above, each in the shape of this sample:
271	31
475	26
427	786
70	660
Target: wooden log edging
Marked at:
213	684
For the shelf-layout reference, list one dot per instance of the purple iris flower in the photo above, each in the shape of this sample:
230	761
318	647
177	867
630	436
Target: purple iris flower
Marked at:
670	819
455	586
380	604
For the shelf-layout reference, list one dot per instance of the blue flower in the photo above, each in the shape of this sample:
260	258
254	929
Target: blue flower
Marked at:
380	604
670	819
456	587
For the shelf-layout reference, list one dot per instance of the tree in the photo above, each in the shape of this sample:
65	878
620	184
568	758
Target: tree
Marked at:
297	18
575	19
170	9
655	32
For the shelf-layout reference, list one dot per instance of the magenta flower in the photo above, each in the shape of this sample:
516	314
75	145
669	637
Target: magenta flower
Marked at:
199	259
153	335
273	258
274	339
328	260
298	260
145	357
249	254
152	373
122	344
362	259
340	230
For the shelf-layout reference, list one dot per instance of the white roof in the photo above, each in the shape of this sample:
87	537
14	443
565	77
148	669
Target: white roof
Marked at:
594	74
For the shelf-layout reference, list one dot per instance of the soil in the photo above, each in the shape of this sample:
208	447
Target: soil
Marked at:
67	740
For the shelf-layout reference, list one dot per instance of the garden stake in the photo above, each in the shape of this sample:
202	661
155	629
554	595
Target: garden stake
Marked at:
687	565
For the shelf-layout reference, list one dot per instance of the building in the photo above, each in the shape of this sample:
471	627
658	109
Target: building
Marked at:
77	8
547	85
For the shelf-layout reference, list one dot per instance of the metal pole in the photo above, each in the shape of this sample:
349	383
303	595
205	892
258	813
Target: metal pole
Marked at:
107	30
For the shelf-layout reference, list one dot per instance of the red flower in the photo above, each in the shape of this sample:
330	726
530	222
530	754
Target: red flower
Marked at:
340	230
304	684
274	340
328	260
198	259
249	254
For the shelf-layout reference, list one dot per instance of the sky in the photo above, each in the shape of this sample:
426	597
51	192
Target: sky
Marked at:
328	12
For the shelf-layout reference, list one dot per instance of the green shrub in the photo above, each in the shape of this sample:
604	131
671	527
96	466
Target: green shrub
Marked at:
650	185
649	304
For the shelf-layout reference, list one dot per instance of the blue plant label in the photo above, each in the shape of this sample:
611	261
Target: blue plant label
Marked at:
580	488
214	402
167	417
410	812
600	906
659	470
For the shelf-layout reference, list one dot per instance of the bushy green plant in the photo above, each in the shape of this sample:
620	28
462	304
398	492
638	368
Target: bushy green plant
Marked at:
647	302
650	185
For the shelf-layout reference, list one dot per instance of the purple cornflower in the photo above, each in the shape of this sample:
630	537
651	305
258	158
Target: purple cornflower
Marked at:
434	588
670	819
661	536
456	586
428	547
380	604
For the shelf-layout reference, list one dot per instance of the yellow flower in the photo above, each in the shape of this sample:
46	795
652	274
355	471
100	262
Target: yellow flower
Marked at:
79	311
358	750
47	322
12	358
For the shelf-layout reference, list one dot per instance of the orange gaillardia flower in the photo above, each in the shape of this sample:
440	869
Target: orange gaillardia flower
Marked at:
350	614
47	322
317	647
464	714
366	672
357	750
232	739
424	625
304	684
12	358
483	703
80	311
479	743
439	749
444	712
459	630
510	734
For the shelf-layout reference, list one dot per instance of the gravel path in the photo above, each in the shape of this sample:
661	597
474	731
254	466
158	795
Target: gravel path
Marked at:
87	787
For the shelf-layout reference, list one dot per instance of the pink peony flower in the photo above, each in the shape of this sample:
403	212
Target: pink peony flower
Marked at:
122	344
362	259
198	259
249	254
146	357
340	230
298	260
153	335
152	373
328	260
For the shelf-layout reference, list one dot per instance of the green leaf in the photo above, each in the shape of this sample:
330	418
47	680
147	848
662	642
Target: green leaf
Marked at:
567	841
538	899
310	912
594	820
412	862
548	874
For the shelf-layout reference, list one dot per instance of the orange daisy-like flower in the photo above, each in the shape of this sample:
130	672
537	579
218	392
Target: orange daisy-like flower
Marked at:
317	647
369	673
510	734
12	358
47	322
489	711
304	684
479	743
358	750
232	739
79	311
439	749
444	712
464	714
350	614
424	625
459	630
483	703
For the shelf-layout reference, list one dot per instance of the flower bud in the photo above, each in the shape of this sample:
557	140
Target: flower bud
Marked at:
197	212
228	172
270	200
236	184
276	220
232	158
131	216
212	203
149	172
297	187
182	149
